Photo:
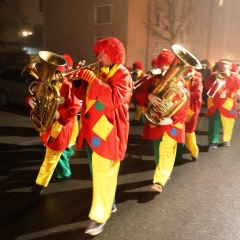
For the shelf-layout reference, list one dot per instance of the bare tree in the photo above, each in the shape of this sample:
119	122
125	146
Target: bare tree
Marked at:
169	19
12	20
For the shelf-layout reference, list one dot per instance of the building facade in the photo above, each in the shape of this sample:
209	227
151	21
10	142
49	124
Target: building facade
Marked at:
74	26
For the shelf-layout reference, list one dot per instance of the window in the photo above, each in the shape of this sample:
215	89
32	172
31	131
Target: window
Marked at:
98	38
103	14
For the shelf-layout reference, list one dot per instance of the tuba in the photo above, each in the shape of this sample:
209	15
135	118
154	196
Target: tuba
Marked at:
47	96
172	96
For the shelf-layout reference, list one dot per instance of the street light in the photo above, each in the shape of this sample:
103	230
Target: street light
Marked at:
26	33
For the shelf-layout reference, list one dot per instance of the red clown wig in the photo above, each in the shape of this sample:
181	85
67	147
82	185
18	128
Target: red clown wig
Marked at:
166	57
154	62
138	65
113	48
234	67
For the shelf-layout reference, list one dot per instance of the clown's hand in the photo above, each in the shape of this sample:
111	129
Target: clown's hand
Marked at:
166	121
86	75
57	115
154	99
220	82
32	102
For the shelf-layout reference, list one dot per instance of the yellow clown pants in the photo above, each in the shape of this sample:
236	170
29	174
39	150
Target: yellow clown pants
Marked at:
138	112
167	149
105	173
227	125
216	121
46	171
191	143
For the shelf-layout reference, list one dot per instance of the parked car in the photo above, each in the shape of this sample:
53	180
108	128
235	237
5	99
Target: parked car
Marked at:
13	87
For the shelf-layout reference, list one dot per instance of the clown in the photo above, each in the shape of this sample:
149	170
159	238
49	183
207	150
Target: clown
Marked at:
137	74
63	170
194	81
222	105
57	138
104	124
171	131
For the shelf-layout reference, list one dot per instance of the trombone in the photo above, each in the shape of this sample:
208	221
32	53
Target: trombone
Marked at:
149	75
221	78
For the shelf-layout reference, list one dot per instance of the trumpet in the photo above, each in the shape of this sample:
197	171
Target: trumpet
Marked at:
149	75
59	75
220	81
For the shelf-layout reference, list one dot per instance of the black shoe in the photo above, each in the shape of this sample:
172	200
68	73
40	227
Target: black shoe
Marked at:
37	189
55	180
227	144
195	158
212	146
94	228
136	123
114	207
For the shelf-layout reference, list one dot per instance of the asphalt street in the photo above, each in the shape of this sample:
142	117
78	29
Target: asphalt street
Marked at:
201	201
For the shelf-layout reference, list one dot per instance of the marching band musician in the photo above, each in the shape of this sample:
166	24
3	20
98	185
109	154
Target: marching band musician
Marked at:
194	81
63	170
104	125
136	75
144	77
171	130
222	106
58	136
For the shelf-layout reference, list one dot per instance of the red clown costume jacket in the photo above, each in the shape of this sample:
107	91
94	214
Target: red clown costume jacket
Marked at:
226	102
58	136
176	130
104	122
195	88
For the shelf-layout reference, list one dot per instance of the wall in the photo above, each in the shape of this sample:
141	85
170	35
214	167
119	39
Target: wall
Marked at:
70	28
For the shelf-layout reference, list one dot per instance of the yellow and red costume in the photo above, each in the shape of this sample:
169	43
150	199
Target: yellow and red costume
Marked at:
222	107
58	136
105	109
138	116
165	137
194	81
104	123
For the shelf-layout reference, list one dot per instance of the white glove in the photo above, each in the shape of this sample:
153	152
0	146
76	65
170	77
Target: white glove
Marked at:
57	115
62	100
32	102
166	121
155	71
